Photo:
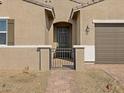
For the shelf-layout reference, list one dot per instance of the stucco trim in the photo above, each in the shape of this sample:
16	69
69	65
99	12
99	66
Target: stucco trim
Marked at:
4	17
108	21
26	46
73	11
78	46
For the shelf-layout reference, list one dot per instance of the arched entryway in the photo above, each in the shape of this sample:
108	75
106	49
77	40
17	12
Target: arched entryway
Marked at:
62	55
63	35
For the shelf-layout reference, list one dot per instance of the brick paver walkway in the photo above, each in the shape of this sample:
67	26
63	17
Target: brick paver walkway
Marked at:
61	81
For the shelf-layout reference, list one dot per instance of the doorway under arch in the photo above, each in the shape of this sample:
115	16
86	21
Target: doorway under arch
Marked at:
62	55
63	34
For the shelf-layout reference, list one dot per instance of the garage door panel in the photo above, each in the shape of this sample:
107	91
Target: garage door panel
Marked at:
105	59
103	55
107	35
120	42
106	41
120	55
119	50
109	43
109	25
120	60
105	38
109	62
105	51
105	48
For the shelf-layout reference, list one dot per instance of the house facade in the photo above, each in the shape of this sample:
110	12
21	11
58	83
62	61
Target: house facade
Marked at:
96	26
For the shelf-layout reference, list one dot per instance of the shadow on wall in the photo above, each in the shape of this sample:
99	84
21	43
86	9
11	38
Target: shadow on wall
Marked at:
11	32
49	19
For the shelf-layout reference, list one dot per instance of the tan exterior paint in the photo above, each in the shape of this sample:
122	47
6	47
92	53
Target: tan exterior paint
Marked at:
62	14
106	10
29	21
18	58
31	24
34	26
79	57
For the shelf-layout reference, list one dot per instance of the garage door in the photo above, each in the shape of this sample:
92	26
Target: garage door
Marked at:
109	43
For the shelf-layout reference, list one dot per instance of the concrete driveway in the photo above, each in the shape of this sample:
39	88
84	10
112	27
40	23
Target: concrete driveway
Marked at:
114	70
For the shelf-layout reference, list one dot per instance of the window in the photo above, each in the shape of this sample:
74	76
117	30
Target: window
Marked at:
3	31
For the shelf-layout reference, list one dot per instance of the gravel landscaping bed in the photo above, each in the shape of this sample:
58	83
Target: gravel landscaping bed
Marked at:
23	82
96	81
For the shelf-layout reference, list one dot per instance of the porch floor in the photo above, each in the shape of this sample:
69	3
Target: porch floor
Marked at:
62	64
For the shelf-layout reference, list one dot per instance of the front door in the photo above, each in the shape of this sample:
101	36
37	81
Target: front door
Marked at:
63	37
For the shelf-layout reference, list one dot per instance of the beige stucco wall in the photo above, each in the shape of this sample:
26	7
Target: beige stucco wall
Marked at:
79	57
62	11
76	29
106	10
18	58
29	21
32	26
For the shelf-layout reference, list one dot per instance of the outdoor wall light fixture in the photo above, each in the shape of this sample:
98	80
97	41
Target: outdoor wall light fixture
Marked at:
87	29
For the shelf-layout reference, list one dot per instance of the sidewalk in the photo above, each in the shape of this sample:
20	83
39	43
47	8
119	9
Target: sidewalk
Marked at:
61	81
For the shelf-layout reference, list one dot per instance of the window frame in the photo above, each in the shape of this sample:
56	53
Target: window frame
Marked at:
5	32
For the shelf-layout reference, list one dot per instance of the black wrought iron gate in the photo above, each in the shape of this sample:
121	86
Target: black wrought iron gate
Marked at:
62	58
